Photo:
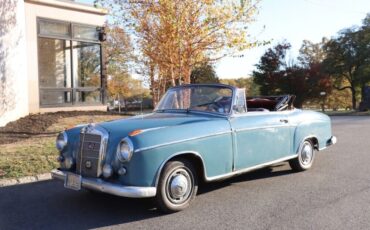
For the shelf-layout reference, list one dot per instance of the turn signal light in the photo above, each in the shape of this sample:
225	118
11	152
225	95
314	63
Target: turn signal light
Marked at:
135	132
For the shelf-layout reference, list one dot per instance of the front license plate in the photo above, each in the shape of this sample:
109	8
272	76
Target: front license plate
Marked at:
73	181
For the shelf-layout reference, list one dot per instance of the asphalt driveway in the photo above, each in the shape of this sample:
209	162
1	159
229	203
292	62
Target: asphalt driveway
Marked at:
334	194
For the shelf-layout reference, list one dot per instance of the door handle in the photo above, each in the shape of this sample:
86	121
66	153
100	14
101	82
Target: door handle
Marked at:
284	120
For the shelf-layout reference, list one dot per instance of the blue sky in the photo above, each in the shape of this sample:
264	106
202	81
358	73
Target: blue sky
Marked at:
294	21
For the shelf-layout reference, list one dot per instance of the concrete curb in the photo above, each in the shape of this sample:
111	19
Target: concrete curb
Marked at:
25	180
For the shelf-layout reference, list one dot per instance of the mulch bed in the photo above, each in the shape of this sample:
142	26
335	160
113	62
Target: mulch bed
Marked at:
37	124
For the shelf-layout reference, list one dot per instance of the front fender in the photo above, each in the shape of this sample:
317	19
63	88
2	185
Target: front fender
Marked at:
211	140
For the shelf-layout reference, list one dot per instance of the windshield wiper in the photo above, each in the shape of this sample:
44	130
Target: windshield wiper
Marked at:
168	110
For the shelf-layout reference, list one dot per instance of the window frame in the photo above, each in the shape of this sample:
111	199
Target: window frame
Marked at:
236	106
72	89
82	39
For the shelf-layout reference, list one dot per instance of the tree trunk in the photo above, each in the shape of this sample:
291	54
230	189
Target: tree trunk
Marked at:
163	85
186	73
153	88
173	82
363	89
353	91
298	103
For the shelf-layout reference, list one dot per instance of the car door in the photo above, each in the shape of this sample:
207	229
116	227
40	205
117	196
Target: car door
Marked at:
260	137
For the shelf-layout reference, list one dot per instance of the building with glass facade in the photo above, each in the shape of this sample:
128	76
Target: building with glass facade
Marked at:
51	58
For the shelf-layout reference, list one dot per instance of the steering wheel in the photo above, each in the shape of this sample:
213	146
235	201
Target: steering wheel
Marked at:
215	105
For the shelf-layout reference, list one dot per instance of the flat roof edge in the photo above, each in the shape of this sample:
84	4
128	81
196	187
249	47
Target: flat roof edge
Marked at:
70	5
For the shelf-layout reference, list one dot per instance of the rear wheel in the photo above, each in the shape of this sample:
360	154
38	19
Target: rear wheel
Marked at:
306	156
177	186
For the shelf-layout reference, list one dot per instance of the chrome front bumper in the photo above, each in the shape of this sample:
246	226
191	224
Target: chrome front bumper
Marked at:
106	187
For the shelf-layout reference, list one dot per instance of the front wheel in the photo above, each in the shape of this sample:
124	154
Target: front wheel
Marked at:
177	186
306	156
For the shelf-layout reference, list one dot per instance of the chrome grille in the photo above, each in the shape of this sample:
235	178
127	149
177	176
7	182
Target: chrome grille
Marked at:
89	158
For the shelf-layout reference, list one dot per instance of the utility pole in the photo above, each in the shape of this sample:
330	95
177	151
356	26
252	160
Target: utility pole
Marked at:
323	95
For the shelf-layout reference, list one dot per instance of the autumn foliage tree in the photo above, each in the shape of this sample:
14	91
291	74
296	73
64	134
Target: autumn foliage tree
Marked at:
174	36
119	53
268	74
252	89
312	53
311	57
204	73
340	67
348	60
305	80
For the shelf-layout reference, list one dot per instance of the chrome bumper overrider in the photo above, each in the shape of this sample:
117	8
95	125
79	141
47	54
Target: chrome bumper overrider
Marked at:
106	187
331	141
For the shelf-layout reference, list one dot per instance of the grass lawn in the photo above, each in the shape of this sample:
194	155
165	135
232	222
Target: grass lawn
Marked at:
38	154
29	157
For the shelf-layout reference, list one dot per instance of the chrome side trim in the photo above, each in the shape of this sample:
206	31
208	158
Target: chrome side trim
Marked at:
150	129
238	172
322	148
223	176
180	141
263	127
257	113
106	187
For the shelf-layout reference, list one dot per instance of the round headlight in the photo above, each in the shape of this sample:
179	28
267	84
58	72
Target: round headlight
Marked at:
125	150
61	141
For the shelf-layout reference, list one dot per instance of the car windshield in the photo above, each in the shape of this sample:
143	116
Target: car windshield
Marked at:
216	99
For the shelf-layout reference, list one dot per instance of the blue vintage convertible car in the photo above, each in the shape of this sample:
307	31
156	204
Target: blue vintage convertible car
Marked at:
199	132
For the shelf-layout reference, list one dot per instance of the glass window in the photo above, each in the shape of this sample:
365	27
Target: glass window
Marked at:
69	70
54	28
240	104
86	64
85	32
54	63
55	97
202	98
88	97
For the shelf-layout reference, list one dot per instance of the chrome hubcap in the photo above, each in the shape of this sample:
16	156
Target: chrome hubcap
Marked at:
306	154
179	186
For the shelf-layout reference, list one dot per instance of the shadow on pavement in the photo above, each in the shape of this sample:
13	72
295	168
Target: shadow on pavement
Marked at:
263	173
47	205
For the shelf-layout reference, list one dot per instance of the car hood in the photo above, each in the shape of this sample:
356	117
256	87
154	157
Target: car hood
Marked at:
154	120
